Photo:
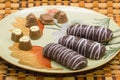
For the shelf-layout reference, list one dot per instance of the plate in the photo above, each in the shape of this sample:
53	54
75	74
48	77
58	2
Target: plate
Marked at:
75	14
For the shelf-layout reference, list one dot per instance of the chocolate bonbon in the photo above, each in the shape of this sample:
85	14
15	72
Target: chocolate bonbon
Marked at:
34	33
16	34
25	43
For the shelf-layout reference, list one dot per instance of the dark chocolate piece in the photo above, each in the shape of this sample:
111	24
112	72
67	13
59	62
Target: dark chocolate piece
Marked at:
62	18
99	34
31	20
47	19
87	48
57	14
65	56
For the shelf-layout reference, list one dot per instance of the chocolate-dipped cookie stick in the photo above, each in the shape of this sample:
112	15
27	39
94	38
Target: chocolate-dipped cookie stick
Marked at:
87	48
65	56
99	34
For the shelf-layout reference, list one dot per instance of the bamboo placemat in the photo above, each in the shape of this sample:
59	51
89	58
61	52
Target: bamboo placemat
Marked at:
110	71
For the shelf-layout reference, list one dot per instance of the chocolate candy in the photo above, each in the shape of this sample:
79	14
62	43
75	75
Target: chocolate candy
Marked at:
65	56
31	20
16	34
99	34
35	33
25	43
87	48
47	19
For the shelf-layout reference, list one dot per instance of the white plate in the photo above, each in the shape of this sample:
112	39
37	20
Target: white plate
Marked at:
75	14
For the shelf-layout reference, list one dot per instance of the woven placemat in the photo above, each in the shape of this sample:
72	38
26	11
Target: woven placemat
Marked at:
110	71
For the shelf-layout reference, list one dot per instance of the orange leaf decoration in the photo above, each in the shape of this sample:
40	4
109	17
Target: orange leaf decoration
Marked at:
41	25
38	51
33	58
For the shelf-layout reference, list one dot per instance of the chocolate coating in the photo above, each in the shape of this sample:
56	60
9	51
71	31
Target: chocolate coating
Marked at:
31	20
25	45
87	48
15	37
95	33
16	34
57	14
47	19
65	56
62	17
35	33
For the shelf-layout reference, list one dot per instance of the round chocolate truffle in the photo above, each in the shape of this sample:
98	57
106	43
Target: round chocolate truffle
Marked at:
34	32
16	34
25	43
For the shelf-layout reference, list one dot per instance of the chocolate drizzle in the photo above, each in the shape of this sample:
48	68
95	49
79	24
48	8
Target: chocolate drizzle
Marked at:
87	48
65	56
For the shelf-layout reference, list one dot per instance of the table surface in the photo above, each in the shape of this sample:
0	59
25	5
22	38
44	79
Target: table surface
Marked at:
109	71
